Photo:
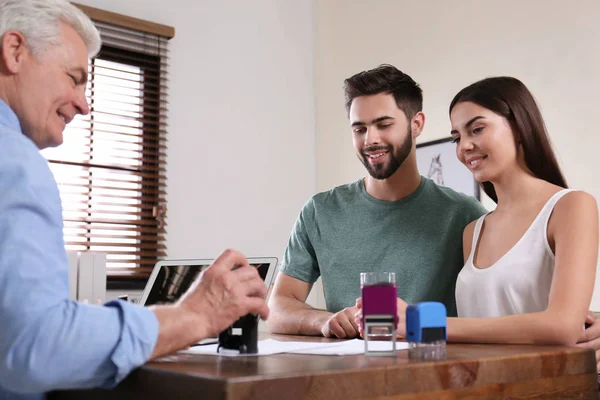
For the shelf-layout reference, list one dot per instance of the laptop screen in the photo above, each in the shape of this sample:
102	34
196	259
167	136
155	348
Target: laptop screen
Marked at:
172	281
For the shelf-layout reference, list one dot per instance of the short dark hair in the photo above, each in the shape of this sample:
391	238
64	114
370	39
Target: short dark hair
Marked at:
510	98
386	79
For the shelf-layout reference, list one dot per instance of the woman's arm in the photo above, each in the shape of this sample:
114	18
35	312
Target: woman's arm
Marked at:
573	233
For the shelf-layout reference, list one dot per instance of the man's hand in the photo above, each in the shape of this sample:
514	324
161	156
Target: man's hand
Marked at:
222	294
401	306
341	324
590	338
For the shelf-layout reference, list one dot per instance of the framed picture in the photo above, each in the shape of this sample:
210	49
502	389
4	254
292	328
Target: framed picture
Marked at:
437	161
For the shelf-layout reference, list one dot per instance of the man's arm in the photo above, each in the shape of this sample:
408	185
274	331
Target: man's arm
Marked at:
289	312
299	268
46	340
291	315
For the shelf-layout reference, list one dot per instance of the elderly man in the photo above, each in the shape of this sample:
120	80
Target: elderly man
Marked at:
46	340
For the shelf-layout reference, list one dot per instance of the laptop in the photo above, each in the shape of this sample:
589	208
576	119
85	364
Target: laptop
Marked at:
170	279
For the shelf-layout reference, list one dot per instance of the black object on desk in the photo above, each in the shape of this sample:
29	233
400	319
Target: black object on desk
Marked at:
241	336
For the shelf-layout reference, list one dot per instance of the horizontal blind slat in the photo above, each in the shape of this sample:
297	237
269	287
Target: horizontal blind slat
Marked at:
116	228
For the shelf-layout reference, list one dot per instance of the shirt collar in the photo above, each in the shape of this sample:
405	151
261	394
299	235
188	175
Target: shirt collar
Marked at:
8	117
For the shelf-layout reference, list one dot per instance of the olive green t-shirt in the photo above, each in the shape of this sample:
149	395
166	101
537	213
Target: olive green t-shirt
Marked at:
346	231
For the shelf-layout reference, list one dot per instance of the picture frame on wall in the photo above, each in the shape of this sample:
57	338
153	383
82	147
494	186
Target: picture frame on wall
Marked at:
437	161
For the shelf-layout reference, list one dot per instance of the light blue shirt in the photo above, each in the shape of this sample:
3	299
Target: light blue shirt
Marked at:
47	341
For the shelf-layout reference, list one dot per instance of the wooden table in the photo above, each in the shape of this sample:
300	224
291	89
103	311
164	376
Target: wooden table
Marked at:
469	371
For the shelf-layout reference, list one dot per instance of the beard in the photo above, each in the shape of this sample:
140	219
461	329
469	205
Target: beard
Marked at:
384	170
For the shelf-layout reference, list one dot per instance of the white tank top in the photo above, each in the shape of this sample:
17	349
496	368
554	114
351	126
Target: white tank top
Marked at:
517	283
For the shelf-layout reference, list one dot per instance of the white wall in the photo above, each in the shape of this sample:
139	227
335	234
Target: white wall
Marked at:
241	155
551	45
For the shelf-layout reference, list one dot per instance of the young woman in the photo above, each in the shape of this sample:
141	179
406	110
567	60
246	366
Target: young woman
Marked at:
530	264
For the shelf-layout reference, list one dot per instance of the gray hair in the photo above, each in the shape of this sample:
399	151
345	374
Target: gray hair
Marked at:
39	22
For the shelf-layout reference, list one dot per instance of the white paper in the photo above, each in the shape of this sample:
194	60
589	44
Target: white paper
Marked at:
350	347
265	347
271	346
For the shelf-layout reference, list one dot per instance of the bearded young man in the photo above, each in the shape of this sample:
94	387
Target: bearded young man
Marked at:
392	220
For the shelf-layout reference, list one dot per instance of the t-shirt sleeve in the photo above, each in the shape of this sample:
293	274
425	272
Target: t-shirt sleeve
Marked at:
299	260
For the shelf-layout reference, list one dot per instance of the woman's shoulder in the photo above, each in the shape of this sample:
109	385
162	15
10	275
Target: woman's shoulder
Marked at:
565	200
576	201
470	228
574	208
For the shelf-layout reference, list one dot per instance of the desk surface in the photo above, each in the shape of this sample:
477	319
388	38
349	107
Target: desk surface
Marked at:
469	371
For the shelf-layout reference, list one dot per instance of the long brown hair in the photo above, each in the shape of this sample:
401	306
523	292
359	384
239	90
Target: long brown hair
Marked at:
510	98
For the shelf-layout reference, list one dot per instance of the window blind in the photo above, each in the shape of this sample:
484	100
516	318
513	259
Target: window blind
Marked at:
111	168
